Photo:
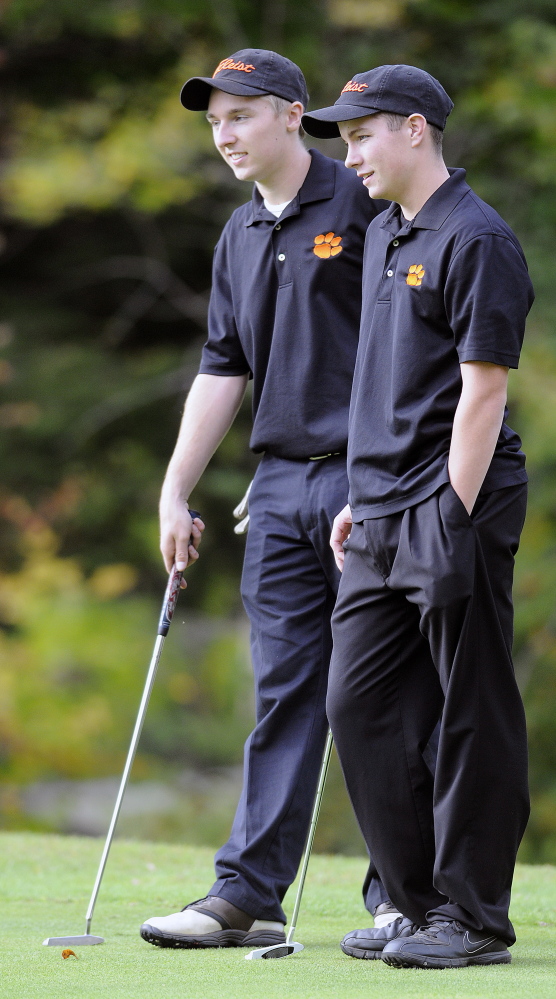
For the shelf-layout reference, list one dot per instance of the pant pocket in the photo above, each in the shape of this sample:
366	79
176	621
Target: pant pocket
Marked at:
382	539
452	507
436	554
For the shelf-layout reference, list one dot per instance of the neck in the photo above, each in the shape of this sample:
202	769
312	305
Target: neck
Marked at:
421	187
283	183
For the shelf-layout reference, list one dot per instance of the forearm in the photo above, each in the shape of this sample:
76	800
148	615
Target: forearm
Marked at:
210	409
477	424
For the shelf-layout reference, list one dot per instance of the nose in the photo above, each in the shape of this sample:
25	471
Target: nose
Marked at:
353	159
224	135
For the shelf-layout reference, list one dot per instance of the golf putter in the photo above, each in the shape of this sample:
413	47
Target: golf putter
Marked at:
167	613
290	947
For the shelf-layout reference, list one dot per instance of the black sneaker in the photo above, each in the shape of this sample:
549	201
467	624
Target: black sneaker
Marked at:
445	945
369	944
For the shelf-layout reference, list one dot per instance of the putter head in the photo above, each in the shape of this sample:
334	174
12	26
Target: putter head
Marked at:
82	940
277	950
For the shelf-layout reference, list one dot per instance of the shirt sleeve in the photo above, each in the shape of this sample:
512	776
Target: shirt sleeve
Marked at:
222	353
488	294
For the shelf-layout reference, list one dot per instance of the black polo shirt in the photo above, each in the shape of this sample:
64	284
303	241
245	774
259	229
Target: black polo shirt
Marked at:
449	286
285	308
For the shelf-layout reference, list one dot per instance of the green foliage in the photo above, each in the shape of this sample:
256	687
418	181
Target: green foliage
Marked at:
113	199
73	660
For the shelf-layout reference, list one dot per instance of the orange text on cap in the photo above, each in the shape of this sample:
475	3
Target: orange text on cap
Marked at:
245	67
352	85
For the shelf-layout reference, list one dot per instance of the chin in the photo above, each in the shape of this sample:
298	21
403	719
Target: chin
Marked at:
244	169
375	191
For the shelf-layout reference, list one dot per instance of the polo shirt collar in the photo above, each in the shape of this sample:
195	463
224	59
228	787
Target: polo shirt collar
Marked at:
435	211
319	185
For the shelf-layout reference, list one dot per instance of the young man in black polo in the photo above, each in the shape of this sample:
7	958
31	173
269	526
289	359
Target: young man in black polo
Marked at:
284	310
423	621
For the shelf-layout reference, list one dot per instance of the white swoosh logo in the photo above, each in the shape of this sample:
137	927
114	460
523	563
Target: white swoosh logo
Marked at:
475	947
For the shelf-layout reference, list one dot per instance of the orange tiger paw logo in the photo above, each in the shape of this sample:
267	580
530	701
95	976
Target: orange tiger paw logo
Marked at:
415	275
327	246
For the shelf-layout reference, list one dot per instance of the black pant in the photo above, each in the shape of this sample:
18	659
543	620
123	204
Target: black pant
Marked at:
423	628
289	588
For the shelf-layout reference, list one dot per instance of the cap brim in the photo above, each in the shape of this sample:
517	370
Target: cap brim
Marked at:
195	93
323	124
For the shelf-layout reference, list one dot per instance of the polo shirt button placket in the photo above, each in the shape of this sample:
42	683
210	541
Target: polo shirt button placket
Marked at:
281	253
282	259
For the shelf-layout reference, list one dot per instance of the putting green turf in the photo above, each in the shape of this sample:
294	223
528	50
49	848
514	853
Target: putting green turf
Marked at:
44	891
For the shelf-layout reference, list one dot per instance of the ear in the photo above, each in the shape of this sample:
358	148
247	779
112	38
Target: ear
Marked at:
416	124
294	116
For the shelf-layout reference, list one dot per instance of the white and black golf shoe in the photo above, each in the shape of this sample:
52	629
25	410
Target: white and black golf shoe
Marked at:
211	922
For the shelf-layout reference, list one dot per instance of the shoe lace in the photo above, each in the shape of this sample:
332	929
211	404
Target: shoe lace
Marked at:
431	930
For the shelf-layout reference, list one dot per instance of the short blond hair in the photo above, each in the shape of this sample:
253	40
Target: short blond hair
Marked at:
280	105
395	122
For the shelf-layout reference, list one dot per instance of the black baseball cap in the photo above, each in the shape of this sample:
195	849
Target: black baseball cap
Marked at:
248	73
399	89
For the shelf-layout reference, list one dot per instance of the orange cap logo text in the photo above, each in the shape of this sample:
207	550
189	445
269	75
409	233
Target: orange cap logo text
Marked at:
352	85
245	67
327	246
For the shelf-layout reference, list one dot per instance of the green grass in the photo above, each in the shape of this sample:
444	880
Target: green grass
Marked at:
45	887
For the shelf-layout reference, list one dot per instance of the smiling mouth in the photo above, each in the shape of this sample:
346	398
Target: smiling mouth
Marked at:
236	156
365	176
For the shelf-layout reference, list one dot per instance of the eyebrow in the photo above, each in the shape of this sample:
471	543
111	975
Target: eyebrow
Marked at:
214	117
358	128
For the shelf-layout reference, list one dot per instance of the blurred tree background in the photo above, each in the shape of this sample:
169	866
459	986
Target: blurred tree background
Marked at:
112	199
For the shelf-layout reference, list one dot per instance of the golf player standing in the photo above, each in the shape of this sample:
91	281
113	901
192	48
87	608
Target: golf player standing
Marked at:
284	310
423	621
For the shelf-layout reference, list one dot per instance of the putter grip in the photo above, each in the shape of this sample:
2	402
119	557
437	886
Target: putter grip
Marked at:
172	593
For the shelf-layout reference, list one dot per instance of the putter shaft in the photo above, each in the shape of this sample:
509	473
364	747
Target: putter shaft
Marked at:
151	675
290	947
311	836
166	615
